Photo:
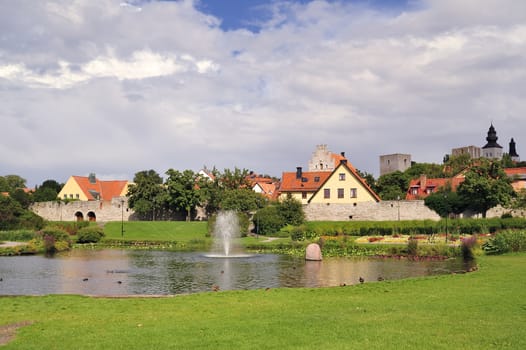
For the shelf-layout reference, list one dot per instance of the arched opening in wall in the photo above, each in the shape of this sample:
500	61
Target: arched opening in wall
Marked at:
79	216
91	216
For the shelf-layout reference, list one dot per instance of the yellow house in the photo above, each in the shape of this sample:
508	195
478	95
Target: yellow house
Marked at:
343	185
89	188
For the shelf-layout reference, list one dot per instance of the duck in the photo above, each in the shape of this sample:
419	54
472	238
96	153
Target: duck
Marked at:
361	279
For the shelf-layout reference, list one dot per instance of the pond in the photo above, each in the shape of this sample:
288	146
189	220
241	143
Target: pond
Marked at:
114	272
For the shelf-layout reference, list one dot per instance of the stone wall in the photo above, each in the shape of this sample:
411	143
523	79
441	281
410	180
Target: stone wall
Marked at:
103	211
370	211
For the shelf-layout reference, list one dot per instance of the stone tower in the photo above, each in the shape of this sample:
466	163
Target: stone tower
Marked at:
492	150
513	152
392	162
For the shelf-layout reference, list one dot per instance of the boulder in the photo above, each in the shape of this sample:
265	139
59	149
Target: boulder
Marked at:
313	252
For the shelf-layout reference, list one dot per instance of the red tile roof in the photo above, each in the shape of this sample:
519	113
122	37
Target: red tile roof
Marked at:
105	189
307	183
515	171
424	186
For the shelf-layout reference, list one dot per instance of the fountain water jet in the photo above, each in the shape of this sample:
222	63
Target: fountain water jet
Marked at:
225	233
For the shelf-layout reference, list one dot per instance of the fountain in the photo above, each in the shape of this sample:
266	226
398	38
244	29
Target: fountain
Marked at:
225	233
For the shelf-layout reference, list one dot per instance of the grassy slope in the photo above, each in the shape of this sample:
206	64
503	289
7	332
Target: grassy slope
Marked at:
481	310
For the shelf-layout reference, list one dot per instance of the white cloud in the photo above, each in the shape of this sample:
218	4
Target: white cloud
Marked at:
141	65
103	87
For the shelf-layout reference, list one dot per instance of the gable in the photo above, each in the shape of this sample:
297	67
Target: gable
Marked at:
344	185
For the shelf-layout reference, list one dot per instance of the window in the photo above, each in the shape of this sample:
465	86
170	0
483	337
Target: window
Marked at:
77	195
341	176
316	179
340	193
327	193
304	195
70	196
354	192
65	196
414	191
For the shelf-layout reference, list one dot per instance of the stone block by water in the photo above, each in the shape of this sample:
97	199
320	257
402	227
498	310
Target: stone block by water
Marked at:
313	252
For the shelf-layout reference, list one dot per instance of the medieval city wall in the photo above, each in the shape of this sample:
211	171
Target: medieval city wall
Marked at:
370	211
114	210
117	210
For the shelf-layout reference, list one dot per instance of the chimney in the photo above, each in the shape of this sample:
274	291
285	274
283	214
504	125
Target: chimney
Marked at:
299	173
92	179
342	154
423	181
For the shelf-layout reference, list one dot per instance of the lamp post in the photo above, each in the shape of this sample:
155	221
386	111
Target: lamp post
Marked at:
447	212
122	218
398	200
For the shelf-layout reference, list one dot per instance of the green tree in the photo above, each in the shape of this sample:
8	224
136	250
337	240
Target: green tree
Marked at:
242	199
431	170
445	202
9	183
46	192
393	185
22	197
519	202
456	164
291	210
485	186
147	195
216	190
183	191
369	179
10	211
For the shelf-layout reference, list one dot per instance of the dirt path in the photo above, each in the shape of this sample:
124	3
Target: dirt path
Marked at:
8	332
8	244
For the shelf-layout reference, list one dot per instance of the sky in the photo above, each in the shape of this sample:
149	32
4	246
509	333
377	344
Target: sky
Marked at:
114	87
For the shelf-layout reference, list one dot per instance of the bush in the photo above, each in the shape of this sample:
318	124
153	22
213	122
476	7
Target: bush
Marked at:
18	235
268	220
505	241
466	247
412	246
90	234
54	239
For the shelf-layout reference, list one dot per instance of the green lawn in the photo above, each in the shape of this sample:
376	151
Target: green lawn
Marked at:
481	310
157	230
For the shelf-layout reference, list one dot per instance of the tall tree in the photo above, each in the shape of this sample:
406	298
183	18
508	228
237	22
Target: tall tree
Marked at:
393	185
48	191
431	170
183	190
485	186
147	196
9	183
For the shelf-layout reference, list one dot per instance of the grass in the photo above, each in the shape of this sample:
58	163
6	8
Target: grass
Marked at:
180	231
481	310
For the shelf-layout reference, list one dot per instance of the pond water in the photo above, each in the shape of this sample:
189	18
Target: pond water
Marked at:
130	272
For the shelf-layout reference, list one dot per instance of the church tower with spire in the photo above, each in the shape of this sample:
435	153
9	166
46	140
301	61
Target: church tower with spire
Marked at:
513	152
492	149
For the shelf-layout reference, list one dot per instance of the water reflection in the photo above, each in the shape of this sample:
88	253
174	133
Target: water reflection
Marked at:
128	272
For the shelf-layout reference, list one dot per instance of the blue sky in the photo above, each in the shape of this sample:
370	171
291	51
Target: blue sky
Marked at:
114	87
237	14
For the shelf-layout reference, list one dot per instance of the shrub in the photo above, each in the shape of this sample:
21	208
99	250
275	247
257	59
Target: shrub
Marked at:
466	247
268	220
412	246
90	234
54	239
505	241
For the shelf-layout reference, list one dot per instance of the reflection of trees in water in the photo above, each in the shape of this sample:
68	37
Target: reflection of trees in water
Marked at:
161	272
